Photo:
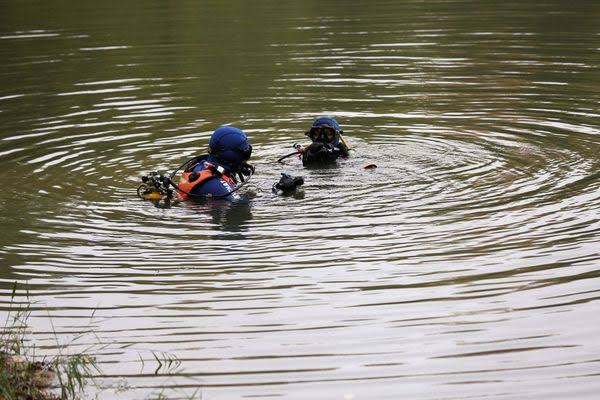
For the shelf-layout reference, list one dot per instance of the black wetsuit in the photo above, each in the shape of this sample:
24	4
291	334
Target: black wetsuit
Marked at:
319	152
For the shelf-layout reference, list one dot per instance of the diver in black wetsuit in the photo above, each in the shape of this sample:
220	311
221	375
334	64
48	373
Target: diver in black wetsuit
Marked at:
327	144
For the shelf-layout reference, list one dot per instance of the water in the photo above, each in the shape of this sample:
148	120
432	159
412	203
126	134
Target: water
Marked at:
465	266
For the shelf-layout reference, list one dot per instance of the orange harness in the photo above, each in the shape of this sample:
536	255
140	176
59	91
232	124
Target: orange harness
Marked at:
190	180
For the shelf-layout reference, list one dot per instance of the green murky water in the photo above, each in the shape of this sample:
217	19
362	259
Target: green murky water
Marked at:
466	266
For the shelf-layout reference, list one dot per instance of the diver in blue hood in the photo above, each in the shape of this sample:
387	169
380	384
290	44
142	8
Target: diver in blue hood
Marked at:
327	142
219	173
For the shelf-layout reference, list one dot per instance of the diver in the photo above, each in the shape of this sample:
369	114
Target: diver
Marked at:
217	175
220	173
327	143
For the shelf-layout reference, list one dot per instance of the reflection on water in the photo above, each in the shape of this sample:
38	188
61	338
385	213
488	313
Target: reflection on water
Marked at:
464	265
225	216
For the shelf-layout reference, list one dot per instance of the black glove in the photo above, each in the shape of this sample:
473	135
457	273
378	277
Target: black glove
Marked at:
247	169
319	152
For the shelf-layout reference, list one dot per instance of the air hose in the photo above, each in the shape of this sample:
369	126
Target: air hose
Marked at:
299	150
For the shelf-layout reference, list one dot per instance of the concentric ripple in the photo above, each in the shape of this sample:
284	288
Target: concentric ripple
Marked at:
464	266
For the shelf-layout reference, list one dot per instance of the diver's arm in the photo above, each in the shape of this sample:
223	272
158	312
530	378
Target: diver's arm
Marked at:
318	151
314	152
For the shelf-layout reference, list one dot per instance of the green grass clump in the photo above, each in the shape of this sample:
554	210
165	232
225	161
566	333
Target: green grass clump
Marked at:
23	377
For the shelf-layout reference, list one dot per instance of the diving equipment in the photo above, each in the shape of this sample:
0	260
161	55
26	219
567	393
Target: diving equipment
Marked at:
287	183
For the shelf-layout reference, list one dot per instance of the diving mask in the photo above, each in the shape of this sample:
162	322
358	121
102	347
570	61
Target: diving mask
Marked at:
323	134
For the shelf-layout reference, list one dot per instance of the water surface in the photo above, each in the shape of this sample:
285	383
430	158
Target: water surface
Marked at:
465	266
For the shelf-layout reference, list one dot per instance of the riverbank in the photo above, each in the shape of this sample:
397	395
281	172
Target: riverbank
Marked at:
24	375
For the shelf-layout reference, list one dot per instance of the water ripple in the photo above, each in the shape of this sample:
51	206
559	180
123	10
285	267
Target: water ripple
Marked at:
466	262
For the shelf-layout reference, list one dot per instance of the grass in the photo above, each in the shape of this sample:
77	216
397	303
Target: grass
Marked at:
23	376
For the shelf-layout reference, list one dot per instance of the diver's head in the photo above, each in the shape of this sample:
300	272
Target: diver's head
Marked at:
326	130
229	147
